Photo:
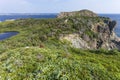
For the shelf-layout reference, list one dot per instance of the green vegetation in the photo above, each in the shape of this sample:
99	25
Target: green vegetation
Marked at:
36	53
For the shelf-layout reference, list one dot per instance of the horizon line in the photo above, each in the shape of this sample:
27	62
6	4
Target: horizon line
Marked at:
41	13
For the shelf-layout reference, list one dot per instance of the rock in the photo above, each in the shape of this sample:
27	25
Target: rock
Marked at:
76	41
66	21
112	25
40	57
86	37
99	43
93	32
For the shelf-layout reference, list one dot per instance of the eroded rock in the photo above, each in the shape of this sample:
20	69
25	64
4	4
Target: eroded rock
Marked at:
85	38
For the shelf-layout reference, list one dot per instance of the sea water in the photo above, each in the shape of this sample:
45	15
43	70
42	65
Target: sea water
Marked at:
4	17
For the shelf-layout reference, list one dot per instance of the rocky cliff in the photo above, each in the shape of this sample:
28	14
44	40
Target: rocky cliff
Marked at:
97	32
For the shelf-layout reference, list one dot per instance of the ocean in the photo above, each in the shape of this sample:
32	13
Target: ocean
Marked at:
4	17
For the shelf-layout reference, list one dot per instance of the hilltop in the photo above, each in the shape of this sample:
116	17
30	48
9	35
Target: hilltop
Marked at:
69	47
86	13
93	32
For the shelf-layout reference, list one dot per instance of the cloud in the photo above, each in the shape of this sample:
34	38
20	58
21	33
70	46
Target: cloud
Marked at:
28	6
49	6
14	6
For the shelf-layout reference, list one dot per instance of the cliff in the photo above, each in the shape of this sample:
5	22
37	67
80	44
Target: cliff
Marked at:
44	49
94	32
83	29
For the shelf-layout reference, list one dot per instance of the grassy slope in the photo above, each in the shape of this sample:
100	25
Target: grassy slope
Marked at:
22	58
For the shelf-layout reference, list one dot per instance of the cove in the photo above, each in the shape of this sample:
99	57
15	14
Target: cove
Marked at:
6	35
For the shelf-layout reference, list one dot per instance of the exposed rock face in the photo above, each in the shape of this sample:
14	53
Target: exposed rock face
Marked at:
104	28
77	13
112	24
76	41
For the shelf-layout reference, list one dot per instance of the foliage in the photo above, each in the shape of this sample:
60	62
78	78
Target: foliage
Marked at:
36	53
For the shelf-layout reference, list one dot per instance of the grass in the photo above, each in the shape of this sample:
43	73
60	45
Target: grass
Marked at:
46	64
36	53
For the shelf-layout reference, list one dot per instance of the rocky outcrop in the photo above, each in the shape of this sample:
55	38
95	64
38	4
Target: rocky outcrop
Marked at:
103	28
77	13
76	41
112	25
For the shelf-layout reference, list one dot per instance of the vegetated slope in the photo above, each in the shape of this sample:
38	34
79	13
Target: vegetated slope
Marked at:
41	50
46	64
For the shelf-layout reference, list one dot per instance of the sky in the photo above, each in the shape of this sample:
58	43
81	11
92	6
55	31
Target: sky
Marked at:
56	6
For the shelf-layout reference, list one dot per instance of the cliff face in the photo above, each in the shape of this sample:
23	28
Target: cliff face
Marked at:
98	32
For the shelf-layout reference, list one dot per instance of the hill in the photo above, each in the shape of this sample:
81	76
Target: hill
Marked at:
66	48
86	13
